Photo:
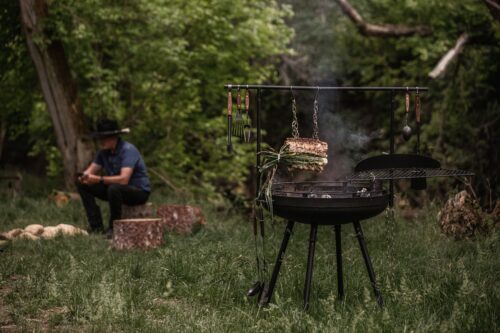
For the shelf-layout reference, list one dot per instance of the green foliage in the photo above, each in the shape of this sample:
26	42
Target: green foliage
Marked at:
159	67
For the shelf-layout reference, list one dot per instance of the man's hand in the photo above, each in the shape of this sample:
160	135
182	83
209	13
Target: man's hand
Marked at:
92	170
89	179
82	177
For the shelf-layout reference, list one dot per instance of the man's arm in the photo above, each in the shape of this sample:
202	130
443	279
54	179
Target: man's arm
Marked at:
123	178
93	169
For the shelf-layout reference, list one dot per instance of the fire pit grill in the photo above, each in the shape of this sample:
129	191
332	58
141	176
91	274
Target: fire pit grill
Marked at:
336	203
329	202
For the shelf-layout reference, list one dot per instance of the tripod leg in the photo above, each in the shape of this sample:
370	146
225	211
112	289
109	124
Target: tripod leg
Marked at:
368	262
267	294
310	261
338	248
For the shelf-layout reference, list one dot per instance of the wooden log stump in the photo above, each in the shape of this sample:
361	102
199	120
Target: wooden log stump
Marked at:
138	211
181	219
144	233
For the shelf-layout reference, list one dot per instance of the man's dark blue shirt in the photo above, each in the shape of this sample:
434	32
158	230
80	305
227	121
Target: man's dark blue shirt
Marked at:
125	155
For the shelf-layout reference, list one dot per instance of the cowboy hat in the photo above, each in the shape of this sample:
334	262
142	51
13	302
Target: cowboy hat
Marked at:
107	128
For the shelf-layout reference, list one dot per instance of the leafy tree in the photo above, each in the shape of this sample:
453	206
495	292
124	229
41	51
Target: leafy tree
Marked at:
159	67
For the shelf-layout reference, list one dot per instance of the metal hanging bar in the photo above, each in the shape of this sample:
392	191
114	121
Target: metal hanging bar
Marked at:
275	87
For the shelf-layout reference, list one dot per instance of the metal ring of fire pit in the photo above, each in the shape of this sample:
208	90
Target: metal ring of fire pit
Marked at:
328	203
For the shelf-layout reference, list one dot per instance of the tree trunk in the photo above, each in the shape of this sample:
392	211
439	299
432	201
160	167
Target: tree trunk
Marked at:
59	91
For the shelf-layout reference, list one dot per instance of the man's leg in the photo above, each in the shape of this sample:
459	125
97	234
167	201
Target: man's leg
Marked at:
123	194
88	193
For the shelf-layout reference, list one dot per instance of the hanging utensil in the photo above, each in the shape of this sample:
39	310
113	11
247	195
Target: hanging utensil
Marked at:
418	183
407	129
238	120
229	120
247	126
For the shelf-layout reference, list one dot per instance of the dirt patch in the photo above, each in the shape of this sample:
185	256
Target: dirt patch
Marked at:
47	314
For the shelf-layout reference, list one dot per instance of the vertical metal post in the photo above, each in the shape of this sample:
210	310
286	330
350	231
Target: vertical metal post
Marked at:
310	261
259	139
391	148
340	274
368	262
266	296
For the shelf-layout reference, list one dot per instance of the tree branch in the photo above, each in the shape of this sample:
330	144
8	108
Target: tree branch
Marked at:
380	30
451	55
494	8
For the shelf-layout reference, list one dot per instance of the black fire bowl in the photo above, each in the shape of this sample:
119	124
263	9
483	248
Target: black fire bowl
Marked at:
329	211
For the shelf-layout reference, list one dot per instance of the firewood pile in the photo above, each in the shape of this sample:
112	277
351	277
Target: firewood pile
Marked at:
462	217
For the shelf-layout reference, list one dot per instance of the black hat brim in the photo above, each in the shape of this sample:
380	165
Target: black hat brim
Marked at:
105	134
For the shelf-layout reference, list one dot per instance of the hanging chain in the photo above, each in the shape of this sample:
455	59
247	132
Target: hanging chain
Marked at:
417	106
407	100
295	122
315	117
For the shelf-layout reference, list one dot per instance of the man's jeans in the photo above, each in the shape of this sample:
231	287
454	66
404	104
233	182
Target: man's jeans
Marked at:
115	194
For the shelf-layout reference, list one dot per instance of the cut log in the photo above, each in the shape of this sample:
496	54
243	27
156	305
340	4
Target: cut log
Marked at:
181	219
138	211
137	233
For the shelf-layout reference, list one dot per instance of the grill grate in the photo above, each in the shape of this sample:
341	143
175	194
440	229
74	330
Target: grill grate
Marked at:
327	190
406	173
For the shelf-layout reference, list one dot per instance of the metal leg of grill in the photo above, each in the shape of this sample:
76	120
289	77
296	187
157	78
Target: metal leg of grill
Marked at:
266	296
340	274
368	262
310	261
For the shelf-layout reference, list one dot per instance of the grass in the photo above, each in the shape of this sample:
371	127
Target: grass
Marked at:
430	283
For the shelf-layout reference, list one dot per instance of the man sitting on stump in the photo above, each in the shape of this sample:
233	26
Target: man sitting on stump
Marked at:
126	180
